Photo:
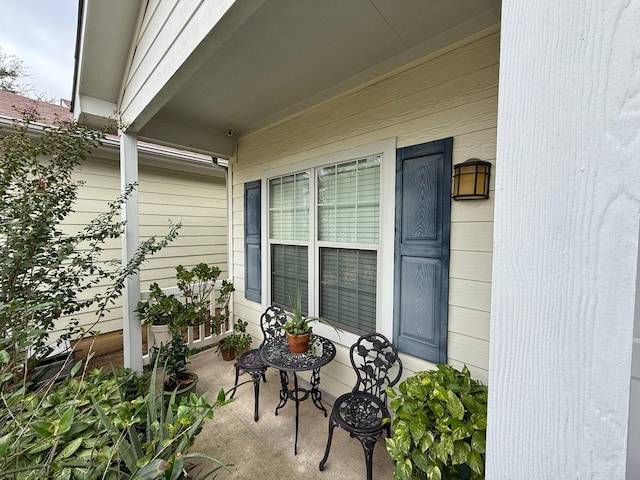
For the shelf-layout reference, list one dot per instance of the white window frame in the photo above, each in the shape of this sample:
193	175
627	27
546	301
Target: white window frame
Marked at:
385	254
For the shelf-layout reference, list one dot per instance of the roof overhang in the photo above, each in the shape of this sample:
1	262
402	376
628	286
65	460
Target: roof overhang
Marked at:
262	61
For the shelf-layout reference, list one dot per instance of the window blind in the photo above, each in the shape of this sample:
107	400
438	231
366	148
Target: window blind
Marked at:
349	201
289	272
289	207
348	288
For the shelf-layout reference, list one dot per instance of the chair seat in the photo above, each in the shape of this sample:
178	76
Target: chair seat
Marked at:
359	412
251	361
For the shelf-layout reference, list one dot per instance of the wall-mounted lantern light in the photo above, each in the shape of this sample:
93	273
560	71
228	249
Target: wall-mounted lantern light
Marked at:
471	180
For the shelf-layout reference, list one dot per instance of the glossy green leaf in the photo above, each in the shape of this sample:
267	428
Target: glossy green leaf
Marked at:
65	421
69	449
479	421
44	429
402	470
454	405
4	356
434	473
417	430
461	430
461	452
426	441
440	393
419	459
478	442
476	462
76	368
5	441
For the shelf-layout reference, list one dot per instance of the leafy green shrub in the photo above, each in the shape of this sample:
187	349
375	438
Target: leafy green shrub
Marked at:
103	425
439	426
48	272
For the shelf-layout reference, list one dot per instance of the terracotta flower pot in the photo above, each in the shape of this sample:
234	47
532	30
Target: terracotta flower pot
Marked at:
298	343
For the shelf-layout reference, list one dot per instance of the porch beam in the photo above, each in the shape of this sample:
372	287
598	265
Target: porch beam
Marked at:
566	239
132	330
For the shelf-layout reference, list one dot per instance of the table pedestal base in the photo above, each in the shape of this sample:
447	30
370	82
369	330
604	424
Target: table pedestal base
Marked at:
299	394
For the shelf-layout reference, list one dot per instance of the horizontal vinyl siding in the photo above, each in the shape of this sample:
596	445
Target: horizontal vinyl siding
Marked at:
170	30
197	201
451	94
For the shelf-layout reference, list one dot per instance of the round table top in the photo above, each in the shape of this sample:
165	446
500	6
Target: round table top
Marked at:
275	353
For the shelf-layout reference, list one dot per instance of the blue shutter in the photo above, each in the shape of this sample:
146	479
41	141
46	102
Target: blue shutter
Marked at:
423	217
252	241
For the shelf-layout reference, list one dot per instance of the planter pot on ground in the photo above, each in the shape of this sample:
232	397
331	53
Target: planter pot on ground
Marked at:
160	334
187	383
228	353
298	343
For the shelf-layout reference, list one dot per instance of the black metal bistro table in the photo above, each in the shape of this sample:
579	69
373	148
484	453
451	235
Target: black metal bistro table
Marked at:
275	353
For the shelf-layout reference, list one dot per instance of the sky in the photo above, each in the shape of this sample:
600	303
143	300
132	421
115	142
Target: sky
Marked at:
42	33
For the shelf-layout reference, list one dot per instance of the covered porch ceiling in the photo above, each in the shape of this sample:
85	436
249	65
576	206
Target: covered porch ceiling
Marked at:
266	60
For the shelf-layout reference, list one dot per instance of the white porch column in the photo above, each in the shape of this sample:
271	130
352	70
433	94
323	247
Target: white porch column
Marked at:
565	240
132	330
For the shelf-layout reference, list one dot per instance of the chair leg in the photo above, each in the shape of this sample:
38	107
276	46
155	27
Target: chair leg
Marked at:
235	385
256	393
368	444
332	425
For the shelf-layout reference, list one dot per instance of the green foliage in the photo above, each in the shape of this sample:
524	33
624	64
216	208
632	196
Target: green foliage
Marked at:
196	286
97	425
46	271
440	418
174	356
240	340
298	324
161	309
103	425
12	69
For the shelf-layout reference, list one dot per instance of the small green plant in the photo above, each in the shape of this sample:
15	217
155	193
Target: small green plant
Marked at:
174	356
239	340
152	437
440	418
298	324
161	309
197	285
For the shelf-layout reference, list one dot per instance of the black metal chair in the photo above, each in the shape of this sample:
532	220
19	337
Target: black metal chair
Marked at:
377	366
271	322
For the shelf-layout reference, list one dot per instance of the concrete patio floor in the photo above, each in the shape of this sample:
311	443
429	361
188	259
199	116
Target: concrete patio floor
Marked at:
264	450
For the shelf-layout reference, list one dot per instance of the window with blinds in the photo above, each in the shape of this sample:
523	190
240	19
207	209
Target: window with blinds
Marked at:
289	207
289	273
349	201
345	250
348	288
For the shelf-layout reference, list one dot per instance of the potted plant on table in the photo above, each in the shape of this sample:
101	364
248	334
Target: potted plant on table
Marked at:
298	327
236	343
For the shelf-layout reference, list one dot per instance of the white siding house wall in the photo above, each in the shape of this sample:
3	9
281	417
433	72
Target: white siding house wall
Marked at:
449	94
196	200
